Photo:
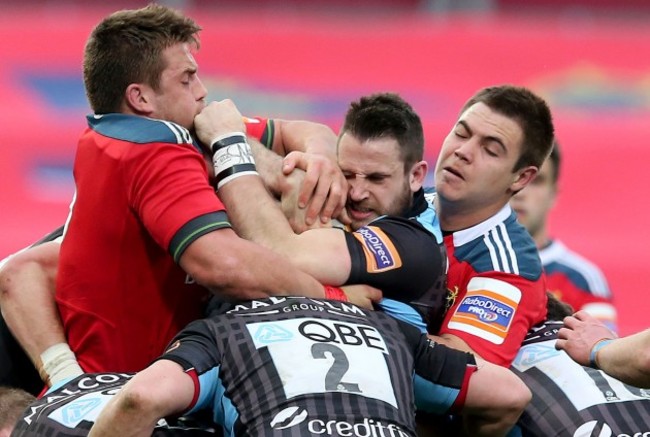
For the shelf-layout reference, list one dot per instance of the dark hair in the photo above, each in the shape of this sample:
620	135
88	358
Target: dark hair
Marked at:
387	115
13	401
556	310
126	48
555	158
531	113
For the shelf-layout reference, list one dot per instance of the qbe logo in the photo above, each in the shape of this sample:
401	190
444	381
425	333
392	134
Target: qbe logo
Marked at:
293	416
595	429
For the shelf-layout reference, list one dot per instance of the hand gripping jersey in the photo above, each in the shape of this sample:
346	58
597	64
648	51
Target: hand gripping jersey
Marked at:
298	366
496	290
142	197
578	282
572	400
285	367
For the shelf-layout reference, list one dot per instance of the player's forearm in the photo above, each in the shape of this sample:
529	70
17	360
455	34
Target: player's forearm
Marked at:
305	136
254	214
124	417
263	222
27	283
487	414
269	167
160	390
628	359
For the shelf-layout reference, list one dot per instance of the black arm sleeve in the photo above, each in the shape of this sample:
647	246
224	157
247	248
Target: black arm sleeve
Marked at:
195	347
391	252
50	237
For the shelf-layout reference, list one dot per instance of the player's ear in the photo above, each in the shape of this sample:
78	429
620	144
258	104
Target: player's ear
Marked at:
522	177
138	97
417	174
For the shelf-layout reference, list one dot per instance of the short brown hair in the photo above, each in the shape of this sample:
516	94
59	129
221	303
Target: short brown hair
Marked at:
126	48
384	115
13	402
531	113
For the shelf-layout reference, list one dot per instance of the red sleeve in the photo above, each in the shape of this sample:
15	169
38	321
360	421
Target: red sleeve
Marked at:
459	403
495	312
168	188
261	129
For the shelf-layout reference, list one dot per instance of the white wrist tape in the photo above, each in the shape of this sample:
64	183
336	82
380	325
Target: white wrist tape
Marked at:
232	157
59	364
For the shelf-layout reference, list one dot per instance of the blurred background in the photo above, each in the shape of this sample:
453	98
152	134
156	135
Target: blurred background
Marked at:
308	59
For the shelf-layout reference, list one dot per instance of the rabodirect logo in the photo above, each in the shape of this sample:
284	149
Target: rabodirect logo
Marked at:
590	429
292	416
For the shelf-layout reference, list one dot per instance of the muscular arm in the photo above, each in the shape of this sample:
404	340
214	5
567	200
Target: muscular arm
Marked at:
235	268
27	299
452	341
627	359
484	412
256	216
321	253
158	391
490	413
323	190
304	136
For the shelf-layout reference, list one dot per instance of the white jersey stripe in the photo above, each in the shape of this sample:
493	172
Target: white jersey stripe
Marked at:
502	254
182	135
172	128
511	251
493	254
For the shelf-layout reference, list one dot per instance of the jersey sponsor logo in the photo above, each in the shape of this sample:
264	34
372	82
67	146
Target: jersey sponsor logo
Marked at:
175	345
85	407
296	303
591	429
379	250
271	333
595	429
487	309
320	331
532	355
289	417
326	356
343	333
75	412
294	416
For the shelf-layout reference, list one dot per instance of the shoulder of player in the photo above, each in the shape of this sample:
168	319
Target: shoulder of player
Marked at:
391	223
498	244
559	258
139	130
